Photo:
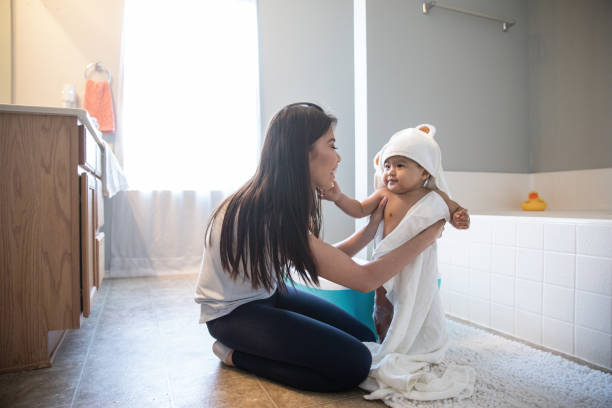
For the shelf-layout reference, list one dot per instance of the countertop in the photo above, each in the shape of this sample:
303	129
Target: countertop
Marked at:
81	114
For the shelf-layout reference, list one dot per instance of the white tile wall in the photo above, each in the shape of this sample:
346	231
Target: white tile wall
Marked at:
530	264
460	253
444	251
558	335
594	240
594	311
479	285
461	279
528	295
447	276
504	233
593	346
482	231
502	289
558	303
461	306
451	308
528	326
530	235
480	312
594	275
546	281
560	237
502	318
503	260
480	256
559	269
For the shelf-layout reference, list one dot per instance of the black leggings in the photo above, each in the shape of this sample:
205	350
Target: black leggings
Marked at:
297	339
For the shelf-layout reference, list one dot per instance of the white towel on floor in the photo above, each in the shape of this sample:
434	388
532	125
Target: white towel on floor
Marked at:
417	335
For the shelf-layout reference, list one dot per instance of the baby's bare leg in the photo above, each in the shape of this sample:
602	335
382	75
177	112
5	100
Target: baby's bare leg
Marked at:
383	313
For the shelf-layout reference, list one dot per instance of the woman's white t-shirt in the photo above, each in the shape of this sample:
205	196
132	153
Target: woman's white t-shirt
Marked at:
216	292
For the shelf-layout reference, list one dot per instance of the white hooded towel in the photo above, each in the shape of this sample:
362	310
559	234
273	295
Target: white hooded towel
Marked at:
417	335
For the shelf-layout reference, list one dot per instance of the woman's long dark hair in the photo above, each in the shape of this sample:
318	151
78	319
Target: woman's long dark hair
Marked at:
267	221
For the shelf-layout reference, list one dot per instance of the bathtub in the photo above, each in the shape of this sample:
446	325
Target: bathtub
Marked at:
543	277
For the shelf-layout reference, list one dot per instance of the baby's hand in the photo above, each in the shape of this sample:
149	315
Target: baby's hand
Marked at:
332	193
460	219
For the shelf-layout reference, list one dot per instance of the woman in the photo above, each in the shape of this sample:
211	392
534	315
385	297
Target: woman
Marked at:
270	226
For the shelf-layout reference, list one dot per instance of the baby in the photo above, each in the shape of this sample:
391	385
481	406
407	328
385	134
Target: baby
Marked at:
408	168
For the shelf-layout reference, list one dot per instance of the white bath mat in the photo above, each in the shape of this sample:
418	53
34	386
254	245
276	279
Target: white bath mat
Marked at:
511	374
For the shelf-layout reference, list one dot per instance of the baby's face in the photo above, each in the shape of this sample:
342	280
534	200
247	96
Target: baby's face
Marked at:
402	174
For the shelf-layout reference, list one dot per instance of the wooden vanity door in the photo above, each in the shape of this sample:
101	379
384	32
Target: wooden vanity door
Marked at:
88	221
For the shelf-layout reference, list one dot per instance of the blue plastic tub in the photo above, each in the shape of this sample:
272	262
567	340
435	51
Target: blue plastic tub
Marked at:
360	305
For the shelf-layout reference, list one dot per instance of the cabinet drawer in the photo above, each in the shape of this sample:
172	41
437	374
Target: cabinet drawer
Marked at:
90	153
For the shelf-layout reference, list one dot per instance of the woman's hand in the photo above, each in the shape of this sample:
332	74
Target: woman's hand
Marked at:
460	219
378	213
332	193
434	231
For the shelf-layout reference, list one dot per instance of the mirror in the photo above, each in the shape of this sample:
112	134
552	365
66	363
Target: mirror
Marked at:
6	53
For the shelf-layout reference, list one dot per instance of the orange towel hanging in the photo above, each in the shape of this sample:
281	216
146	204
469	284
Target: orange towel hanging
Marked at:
98	100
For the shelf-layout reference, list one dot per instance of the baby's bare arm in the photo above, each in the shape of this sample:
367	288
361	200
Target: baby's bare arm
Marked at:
452	205
350	206
460	218
357	209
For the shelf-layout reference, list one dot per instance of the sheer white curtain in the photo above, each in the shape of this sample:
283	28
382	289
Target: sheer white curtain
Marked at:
188	127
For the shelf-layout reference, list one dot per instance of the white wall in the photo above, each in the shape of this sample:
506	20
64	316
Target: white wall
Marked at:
458	72
306	54
574	191
570	84
55	40
5	51
461	73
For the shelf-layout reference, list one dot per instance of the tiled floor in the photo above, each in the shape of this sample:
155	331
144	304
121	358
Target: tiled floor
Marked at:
143	347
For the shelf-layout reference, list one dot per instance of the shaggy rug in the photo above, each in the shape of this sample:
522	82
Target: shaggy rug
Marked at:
512	374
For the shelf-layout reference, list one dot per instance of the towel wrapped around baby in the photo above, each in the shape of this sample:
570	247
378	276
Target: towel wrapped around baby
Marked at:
417	335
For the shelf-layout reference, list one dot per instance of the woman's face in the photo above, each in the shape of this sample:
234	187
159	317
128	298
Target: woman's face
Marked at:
323	160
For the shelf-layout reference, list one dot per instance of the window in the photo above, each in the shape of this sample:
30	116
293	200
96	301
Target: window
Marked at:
190	101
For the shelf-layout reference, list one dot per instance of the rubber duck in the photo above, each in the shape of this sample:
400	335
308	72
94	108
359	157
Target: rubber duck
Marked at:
535	203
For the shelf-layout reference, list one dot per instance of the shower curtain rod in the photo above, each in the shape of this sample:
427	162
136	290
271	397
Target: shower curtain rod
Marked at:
506	24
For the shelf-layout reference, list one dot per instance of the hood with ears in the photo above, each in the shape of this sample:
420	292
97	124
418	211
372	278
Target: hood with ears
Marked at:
419	145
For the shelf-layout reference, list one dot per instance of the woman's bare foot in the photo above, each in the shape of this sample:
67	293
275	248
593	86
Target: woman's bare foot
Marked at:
224	353
229	360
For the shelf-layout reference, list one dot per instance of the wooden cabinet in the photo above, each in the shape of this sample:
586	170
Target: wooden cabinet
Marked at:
51	246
